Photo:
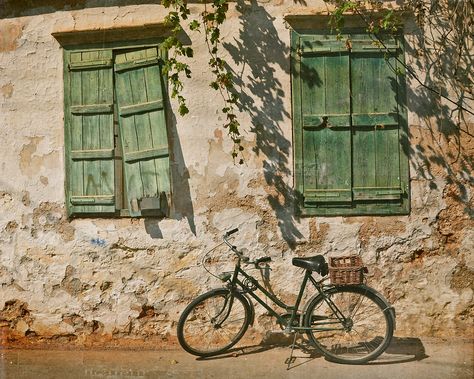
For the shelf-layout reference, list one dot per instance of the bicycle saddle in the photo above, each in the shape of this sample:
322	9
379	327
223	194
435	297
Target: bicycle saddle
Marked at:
316	263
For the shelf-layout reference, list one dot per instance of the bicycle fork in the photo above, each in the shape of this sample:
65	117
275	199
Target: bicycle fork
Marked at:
227	309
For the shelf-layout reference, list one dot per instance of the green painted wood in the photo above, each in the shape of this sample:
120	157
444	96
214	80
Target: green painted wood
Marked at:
137	63
139	93
363	43
92	154
328	120
141	108
375	114
378	122
90	130
93	200
295	66
325	92
322	196
92	109
378	193
74	131
90	64
159	152
156	85
379	119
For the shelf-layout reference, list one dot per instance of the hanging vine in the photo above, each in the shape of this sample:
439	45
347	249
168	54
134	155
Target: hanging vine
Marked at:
211	21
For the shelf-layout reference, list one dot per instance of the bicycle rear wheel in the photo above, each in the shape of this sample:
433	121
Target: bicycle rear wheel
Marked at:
365	333
213	322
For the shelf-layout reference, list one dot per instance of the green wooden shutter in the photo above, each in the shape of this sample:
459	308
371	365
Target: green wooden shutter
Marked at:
375	121
89	132
142	121
325	118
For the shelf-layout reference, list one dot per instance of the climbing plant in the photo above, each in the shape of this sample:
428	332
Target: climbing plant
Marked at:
209	22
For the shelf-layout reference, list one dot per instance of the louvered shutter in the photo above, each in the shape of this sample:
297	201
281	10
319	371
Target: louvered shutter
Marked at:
325	115
89	132
375	120
142	121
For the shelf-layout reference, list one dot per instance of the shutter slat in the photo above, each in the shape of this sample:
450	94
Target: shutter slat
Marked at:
93	200
378	193
92	109
333	195
133	156
367	119
90	64
329	120
368	46
315	50
141	108
119	67
92	154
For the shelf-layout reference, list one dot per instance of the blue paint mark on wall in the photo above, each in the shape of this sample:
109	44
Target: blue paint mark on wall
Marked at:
98	242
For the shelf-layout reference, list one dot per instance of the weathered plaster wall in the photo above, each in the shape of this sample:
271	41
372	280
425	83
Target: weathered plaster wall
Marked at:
123	281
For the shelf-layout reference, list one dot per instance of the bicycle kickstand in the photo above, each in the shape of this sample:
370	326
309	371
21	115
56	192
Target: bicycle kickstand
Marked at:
291	359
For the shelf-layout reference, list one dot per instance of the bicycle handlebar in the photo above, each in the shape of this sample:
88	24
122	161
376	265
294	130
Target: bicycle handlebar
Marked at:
230	232
256	262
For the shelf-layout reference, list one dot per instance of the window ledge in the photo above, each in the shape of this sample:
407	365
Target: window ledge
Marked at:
316	19
70	36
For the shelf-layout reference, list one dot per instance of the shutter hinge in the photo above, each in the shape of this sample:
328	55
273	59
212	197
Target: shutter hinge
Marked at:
299	53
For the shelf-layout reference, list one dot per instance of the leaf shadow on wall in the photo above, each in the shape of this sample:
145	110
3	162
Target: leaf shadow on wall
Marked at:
441	137
257	51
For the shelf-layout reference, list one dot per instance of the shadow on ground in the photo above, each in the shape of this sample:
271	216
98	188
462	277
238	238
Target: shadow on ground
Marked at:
401	350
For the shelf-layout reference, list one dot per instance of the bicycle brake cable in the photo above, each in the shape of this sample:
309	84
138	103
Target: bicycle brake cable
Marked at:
203	264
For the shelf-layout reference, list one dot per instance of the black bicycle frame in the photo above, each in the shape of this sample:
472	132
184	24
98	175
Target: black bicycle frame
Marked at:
236	282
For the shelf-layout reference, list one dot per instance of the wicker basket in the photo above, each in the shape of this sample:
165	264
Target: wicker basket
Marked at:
346	270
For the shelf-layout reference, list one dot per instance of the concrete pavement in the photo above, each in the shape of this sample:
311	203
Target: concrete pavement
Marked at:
406	358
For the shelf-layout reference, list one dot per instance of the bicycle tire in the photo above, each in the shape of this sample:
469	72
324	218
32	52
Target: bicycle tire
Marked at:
368	336
201	325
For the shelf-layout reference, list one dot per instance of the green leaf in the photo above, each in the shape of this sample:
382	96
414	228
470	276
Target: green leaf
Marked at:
194	25
183	109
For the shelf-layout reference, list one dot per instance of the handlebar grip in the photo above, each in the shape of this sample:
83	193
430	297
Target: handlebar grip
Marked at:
230	232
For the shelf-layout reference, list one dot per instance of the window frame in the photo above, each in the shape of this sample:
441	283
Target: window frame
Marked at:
119	188
357	207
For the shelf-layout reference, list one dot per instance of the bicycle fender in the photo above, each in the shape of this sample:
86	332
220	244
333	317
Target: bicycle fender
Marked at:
251	308
389	307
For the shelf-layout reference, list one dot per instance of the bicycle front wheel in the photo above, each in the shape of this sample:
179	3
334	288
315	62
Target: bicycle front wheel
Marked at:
213	322
362	334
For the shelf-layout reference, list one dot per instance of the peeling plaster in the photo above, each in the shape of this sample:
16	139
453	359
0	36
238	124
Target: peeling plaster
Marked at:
124	282
31	163
10	33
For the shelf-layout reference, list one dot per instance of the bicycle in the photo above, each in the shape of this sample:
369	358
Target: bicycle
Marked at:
348	323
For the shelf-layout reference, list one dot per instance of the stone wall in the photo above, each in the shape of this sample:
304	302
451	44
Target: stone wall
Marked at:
124	282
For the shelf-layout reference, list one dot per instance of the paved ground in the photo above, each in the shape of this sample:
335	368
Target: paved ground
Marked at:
406	358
